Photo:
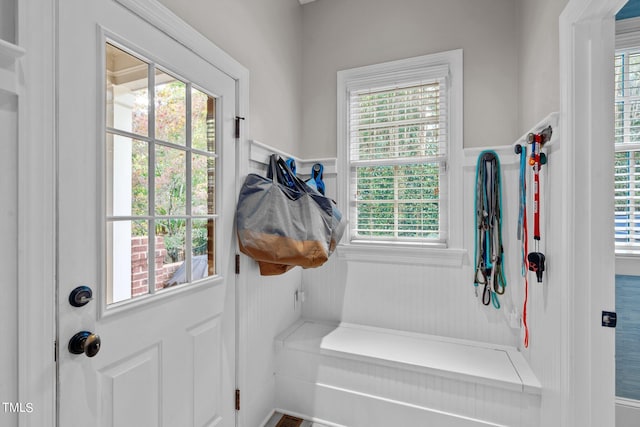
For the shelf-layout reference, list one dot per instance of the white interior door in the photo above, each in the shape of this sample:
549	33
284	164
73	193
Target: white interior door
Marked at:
145	220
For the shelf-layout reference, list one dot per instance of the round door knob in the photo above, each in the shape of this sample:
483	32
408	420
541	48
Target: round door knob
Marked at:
85	342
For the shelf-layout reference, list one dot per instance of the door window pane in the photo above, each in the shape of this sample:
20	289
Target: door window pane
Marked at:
171	109
127	176
127	92
203	117
128	265
170	251
203	178
203	248
171	181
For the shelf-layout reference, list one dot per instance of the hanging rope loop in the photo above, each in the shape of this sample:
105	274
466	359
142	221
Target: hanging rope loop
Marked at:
489	254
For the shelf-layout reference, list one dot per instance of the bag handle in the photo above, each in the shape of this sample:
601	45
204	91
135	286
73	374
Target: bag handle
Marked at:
280	172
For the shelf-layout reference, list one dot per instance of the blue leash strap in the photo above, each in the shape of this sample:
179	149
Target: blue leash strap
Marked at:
523	203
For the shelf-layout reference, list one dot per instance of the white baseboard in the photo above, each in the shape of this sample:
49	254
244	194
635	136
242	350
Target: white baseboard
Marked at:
309	418
627	412
266	420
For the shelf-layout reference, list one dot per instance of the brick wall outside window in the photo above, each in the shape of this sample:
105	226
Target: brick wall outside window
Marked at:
140	265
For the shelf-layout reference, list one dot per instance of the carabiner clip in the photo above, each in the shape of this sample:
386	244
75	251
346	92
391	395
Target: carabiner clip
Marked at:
486	295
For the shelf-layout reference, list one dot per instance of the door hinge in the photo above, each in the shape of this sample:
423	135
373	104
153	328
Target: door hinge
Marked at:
55	351
609	319
238	118
237	263
237	400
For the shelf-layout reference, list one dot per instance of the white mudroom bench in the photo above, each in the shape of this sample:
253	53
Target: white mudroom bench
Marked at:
362	376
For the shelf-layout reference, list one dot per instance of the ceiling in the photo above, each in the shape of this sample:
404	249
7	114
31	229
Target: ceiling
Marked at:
630	10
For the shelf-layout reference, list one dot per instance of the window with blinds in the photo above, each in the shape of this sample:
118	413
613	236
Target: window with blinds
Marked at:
627	151
398	161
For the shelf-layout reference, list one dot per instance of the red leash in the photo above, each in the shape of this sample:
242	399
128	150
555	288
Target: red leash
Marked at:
533	261
536	260
525	242
534	161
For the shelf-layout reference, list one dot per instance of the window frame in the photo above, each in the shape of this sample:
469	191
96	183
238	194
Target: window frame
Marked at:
427	67
152	217
627	38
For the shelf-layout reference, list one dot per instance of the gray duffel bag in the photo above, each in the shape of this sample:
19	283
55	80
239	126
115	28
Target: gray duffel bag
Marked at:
282	222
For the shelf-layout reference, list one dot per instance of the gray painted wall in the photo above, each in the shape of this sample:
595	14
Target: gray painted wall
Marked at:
7	24
539	65
264	36
293	53
342	34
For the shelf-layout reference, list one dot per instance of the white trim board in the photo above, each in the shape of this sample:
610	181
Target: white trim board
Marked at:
585	386
506	152
627	412
307	418
10	55
11	50
260	152
402	254
36	210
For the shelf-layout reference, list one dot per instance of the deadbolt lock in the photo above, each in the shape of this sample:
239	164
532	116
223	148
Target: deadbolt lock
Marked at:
80	296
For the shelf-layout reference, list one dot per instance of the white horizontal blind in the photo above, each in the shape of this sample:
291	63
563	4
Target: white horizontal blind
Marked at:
627	147
398	155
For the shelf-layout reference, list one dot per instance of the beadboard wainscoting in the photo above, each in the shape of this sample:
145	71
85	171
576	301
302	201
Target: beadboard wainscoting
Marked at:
268	305
419	296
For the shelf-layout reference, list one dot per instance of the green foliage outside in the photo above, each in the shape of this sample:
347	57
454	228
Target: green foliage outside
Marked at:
170	172
395	199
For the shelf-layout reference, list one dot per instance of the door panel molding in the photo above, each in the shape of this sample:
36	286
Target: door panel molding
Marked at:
140	369
206	362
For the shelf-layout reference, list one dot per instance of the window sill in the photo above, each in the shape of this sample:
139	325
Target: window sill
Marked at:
627	264
390	253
